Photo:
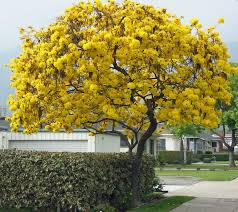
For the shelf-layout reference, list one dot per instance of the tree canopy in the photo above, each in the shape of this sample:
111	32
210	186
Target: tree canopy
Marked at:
123	63
185	130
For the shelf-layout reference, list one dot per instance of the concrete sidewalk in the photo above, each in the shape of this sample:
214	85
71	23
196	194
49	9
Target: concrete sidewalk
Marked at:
209	205
209	189
211	196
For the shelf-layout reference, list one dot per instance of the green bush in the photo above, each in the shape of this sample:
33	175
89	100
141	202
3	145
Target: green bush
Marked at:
175	157
206	160
157	185
195	160
160	160
208	152
213	159
219	156
151	197
65	180
104	208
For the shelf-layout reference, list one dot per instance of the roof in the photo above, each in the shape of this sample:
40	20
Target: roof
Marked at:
4	125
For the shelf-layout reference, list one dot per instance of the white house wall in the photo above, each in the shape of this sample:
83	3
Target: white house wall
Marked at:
46	141
107	143
172	144
91	143
50	145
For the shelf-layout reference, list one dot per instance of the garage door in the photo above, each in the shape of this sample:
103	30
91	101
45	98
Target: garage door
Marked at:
50	145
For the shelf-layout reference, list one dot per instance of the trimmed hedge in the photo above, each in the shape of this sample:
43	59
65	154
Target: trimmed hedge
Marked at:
68	180
219	156
174	157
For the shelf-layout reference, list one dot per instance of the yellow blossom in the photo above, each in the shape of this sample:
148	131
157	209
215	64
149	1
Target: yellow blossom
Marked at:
221	20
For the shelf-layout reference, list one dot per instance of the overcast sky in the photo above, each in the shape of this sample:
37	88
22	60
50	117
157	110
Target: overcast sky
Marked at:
38	13
16	13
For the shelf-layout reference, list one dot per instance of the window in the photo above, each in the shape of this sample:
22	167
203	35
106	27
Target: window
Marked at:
214	144
152	147
162	144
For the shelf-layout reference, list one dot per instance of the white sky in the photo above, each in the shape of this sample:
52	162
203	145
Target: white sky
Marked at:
16	13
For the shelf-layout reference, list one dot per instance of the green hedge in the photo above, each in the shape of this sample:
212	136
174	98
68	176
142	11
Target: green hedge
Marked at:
219	156
174	157
68	180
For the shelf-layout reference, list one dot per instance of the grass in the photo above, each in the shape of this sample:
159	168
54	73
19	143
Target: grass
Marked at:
224	162
164	205
214	165
205	175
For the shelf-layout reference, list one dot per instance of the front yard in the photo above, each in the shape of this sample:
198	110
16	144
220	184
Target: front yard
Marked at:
205	175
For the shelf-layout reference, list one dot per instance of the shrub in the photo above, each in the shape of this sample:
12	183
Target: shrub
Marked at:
213	159
151	197
206	160
65	180
175	157
104	208
208	152
219	156
160	160
195	160
157	185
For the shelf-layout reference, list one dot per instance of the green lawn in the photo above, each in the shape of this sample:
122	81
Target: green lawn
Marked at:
164	205
205	175
202	166
224	162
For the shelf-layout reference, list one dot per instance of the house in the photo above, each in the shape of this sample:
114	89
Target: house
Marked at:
166	141
221	147
81	141
4	126
77	141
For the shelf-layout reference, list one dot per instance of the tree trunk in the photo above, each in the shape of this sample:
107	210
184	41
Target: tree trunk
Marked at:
220	146
181	144
136	197
136	165
231	158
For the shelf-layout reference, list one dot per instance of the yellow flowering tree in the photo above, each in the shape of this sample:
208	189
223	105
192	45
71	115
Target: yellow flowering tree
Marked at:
99	66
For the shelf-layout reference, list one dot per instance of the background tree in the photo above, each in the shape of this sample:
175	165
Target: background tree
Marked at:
180	131
131	65
229	120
